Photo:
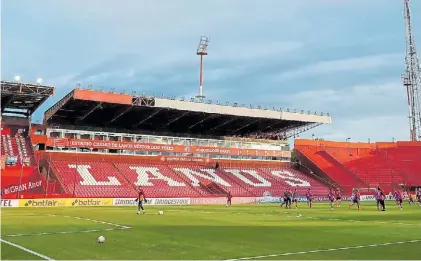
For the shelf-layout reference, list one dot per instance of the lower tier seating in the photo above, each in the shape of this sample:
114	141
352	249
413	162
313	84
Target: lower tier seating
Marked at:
104	178
385	164
92	179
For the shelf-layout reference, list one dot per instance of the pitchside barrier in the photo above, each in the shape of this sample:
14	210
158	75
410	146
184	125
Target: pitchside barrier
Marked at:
270	199
93	202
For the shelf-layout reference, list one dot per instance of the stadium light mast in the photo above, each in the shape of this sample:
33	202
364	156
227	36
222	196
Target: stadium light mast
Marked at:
202	50
412	78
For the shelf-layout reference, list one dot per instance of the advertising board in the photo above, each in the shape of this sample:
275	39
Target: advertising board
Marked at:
9	203
100	144
221	201
65	202
56	202
372	197
24	186
151	201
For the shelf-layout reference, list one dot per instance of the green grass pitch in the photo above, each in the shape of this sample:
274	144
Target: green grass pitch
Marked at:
213	232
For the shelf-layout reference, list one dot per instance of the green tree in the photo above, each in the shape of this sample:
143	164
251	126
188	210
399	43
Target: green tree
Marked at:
293	156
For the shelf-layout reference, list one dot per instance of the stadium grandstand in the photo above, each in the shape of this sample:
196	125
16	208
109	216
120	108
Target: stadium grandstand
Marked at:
103	144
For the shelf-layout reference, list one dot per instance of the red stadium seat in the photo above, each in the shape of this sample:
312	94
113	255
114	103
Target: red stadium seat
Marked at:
369	165
156	180
91	179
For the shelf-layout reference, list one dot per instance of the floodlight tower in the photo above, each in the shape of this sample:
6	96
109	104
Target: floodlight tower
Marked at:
412	78
202	50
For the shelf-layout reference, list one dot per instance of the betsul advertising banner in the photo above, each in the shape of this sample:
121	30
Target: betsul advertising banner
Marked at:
9	203
153	201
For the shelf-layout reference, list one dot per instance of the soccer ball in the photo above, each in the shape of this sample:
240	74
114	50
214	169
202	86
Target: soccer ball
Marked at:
160	212
101	239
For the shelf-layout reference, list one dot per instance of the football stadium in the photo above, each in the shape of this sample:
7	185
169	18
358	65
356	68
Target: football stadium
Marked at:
108	175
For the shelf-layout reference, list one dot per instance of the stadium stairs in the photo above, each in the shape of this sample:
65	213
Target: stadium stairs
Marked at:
325	166
330	157
387	165
93	175
22	172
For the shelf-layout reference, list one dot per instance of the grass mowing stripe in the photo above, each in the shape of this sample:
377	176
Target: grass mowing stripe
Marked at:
117	227
295	215
26	249
93	220
326	250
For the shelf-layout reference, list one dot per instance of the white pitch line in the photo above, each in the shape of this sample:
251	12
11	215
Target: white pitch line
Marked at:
94	220
364	221
26	249
117	227
326	250
298	216
235	213
63	232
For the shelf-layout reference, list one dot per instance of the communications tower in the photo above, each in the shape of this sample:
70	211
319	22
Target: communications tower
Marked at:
202	50
412	78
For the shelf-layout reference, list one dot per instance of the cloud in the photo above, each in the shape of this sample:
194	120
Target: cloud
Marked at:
375	111
315	55
343	65
373	128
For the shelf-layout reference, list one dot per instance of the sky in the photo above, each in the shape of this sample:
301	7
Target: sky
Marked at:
344	57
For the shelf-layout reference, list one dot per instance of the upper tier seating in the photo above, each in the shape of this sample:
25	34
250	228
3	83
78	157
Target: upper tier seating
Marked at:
16	146
102	178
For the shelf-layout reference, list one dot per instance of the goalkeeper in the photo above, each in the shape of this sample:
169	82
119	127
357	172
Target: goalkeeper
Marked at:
140	198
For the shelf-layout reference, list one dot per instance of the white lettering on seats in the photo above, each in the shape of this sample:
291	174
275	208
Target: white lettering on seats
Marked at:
263	182
195	182
143	177
89	180
290	178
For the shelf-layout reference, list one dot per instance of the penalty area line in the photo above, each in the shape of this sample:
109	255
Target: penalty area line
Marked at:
326	250
26	249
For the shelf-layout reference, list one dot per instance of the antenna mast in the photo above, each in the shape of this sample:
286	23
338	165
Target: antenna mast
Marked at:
202	50
412	78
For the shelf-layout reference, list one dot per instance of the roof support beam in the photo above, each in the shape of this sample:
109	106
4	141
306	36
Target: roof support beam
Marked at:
147	118
176	119
245	126
56	107
205	119
225	123
91	111
121	112
295	131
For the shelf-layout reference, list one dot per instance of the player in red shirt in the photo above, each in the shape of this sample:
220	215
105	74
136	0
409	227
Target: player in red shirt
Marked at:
140	198
229	197
338	197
